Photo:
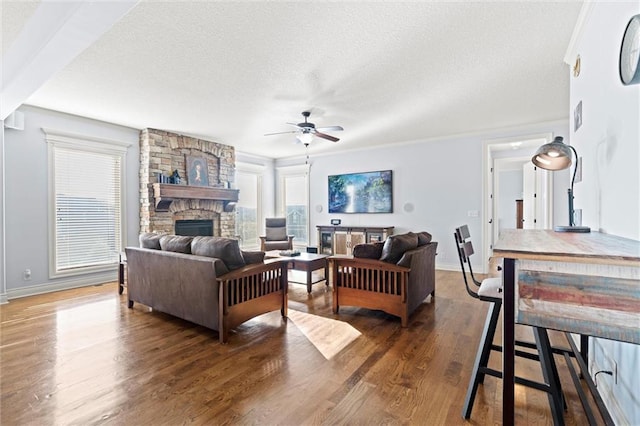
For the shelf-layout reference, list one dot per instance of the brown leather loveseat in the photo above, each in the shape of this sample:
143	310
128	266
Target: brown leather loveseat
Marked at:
206	280
395	276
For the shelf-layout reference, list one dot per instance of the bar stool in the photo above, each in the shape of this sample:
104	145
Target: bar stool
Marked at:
490	290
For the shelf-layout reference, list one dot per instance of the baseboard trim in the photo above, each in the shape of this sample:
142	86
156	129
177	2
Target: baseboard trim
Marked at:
448	266
66	284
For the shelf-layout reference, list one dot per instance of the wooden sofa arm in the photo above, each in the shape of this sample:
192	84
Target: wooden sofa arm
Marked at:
370	275
349	261
263	241
253	281
251	291
252	268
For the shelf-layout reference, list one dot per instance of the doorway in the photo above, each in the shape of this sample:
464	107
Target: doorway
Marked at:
509	175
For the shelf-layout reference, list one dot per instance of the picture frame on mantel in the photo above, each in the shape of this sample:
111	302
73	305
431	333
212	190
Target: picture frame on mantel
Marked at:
197	172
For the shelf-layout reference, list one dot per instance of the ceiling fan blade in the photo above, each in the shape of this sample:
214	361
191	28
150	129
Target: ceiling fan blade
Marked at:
330	128
293	124
280	133
328	137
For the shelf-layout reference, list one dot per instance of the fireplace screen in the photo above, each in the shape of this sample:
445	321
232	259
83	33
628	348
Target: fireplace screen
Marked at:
194	227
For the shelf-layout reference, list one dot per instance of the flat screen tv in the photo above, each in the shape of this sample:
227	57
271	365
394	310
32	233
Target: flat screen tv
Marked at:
367	192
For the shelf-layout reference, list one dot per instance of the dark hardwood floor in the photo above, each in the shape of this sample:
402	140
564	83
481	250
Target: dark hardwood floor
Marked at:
81	357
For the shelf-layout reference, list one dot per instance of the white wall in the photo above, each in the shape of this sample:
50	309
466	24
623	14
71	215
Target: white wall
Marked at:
440	179
609	137
609	142
26	210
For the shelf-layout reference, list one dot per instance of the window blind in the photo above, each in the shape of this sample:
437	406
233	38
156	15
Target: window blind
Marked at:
88	211
248	208
296	196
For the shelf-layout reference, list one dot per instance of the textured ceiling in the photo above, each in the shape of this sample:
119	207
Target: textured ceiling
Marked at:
386	72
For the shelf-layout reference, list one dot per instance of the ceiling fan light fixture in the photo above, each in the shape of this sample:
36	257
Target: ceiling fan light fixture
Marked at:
305	137
306	131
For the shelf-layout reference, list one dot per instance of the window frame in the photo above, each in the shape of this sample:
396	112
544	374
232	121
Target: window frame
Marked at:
258	171
285	172
70	141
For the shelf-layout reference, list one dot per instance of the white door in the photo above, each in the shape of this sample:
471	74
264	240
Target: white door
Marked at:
543	200
535	192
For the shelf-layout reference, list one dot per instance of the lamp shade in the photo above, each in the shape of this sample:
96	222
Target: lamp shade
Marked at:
305	138
554	155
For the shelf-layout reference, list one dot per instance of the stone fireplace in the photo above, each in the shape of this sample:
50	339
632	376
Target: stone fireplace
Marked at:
161	204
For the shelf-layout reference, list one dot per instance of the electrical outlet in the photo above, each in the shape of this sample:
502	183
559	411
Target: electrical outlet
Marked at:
26	275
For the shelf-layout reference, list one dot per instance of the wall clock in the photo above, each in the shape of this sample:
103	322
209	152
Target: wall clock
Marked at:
630	53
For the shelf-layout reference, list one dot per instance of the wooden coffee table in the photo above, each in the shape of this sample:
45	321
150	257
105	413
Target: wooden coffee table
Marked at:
307	262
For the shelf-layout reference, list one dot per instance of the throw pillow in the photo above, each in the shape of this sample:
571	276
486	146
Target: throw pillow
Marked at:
176	243
396	245
225	249
368	251
251	257
220	267
423	238
405	260
150	240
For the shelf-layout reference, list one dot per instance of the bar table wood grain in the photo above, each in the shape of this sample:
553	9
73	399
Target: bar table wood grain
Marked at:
579	283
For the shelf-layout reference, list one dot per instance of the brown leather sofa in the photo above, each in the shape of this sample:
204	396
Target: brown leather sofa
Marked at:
395	276
206	280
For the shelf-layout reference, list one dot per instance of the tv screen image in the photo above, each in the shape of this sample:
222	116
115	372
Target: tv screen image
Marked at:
367	192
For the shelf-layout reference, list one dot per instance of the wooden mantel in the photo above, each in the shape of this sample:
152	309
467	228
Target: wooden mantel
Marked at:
165	193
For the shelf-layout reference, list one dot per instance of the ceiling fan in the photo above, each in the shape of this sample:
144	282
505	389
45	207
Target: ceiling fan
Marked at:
308	130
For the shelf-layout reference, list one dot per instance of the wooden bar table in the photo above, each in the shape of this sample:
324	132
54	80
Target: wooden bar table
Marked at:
585	283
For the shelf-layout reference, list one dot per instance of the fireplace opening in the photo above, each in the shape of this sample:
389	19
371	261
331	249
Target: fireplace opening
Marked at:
194	227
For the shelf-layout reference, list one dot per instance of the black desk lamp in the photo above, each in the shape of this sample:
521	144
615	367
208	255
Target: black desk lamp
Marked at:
556	155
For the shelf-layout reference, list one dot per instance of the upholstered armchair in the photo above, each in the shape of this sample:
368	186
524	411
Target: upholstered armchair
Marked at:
276	237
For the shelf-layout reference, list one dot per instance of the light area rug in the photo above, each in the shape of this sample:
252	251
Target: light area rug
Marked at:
329	336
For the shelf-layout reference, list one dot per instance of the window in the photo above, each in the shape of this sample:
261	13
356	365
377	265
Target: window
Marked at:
294	202
86	184
249	207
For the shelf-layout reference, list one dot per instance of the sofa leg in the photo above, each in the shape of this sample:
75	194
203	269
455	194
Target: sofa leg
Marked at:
223	336
130	304
404	321
284	311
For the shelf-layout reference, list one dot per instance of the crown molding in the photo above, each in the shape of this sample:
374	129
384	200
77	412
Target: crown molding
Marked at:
578	31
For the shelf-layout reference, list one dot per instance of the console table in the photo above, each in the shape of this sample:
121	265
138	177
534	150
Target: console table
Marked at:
572	282
338	240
